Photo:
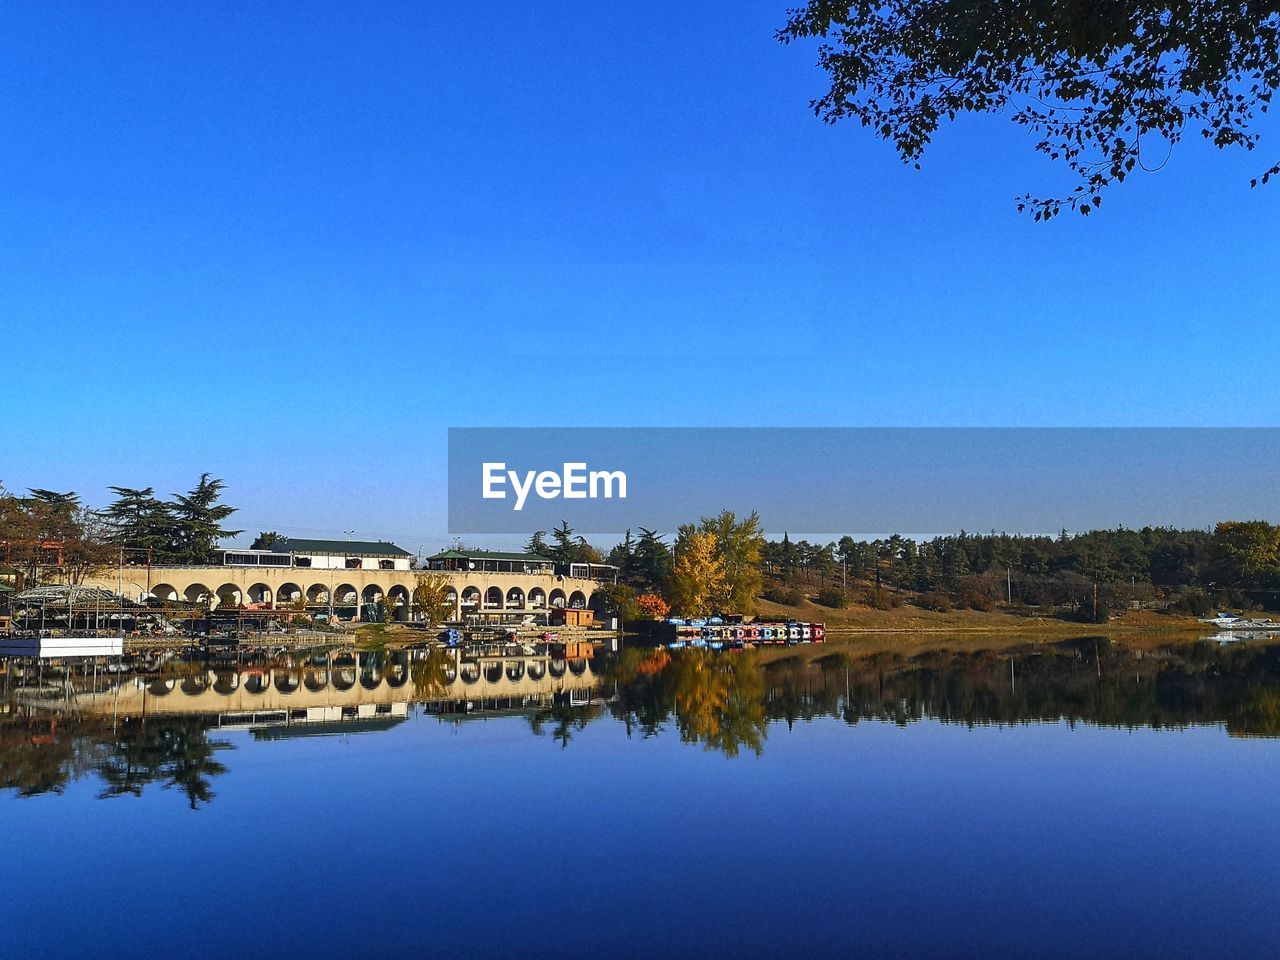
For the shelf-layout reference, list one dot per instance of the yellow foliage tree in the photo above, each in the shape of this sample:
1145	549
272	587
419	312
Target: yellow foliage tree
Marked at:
431	597
698	583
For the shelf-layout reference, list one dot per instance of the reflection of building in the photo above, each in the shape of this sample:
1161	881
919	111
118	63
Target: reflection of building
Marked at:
345	687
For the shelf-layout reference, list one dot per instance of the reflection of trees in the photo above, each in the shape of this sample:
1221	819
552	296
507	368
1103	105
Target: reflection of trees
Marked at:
720	701
1090	680
173	751
724	701
643	701
1258	715
717	699
565	719
42	754
35	758
429	673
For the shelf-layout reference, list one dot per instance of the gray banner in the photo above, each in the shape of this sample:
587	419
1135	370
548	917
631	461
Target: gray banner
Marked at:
860	480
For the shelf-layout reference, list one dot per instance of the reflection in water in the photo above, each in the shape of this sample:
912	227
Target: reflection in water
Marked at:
161	725
37	756
717	700
173	751
1091	680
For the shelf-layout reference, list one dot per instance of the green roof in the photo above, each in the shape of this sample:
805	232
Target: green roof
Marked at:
345	548
491	555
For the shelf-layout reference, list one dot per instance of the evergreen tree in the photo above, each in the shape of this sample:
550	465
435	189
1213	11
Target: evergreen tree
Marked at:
141	524
651	561
198	520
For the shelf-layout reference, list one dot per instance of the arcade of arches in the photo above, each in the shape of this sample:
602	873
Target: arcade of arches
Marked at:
300	588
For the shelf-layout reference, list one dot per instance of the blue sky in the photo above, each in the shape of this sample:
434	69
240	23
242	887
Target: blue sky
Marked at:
293	249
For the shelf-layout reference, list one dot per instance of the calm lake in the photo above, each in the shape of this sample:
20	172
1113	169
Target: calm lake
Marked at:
1079	798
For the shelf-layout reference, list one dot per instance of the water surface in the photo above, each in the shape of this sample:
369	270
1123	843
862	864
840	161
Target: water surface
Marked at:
1084	798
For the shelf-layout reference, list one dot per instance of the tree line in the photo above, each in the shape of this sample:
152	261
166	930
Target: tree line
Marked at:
50	528
723	564
1236	563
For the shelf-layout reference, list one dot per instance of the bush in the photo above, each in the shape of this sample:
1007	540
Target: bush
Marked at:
882	599
1195	602
788	596
935	601
975	593
831	597
652	607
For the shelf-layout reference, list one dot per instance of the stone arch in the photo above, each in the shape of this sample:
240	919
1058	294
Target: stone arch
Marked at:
515	599
557	598
577	667
556	668
164	592
260	593
371	594
288	593
345	595
599	602
315	679
230	595
318	594
343	677
515	670
397	673
197	593
469	672
285	681
195	684
537	599
471	596
493	598
402	603
577	600
161	687
493	671
256	682
537	669
226	682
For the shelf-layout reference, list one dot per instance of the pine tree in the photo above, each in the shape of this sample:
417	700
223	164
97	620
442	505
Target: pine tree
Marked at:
141	525
198	521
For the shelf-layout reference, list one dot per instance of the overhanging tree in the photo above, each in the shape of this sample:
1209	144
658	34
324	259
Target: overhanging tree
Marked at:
1104	86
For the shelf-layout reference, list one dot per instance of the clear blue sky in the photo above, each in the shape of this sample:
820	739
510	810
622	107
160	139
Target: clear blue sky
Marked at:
292	248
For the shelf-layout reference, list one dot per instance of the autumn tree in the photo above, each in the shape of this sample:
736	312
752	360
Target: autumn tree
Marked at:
652	606
738	545
431	597
1104	88
698	585
51	534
